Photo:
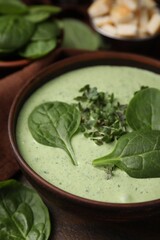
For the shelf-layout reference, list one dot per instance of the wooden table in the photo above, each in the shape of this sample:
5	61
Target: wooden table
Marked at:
66	227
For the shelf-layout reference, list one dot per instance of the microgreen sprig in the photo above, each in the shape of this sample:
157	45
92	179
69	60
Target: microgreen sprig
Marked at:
103	116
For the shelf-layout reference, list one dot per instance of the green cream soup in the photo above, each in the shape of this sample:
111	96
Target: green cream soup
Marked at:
54	165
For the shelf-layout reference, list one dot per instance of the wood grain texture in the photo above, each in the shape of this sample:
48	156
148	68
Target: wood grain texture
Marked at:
67	227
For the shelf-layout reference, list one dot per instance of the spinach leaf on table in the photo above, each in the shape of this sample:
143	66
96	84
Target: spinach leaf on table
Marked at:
15	32
23	215
137	153
144	110
53	124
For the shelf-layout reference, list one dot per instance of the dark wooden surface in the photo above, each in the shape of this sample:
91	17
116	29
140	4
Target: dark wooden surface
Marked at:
65	226
71	227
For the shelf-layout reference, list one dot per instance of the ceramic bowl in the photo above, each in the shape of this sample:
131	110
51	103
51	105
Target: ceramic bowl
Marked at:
135	45
85	208
13	62
107	34
124	43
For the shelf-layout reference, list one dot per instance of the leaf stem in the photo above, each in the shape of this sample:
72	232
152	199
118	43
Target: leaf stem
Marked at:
104	161
71	154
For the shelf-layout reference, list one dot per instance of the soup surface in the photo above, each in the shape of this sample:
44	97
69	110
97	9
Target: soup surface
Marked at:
54	165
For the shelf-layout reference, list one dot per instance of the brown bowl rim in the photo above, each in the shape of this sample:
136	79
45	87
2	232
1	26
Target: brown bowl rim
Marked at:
14	63
21	62
135	39
125	39
85	57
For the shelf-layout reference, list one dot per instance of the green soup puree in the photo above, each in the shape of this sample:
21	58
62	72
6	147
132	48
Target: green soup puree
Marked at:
54	165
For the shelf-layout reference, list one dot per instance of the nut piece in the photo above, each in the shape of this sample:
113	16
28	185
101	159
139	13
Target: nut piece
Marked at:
143	21
99	7
126	18
121	13
131	4
147	3
110	29
127	30
154	24
100	21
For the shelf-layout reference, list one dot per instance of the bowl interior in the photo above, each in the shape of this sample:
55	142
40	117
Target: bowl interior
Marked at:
100	210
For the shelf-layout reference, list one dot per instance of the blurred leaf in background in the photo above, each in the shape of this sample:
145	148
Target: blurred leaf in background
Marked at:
28	31
79	35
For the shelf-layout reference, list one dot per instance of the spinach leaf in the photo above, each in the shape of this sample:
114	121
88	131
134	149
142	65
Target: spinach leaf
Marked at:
20	22
53	124
38	49
80	36
46	31
23	215
40	13
15	32
5	51
137	153
144	110
37	17
45	8
12	7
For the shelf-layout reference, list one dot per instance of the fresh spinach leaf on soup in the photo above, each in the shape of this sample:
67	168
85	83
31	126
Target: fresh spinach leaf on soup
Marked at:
137	153
53	124
144	110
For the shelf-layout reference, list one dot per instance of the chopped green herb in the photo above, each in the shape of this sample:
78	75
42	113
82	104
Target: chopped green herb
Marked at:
109	171
102	116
